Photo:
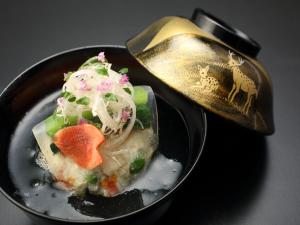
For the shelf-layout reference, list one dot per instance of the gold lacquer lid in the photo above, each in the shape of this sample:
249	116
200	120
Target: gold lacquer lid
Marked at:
211	63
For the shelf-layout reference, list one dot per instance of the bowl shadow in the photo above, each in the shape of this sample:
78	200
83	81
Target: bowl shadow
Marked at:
228	178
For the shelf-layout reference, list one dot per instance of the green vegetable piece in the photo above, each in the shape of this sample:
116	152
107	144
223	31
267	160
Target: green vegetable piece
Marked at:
72	120
88	115
110	97
144	115
54	148
98	125
123	70
72	98
140	96
137	165
67	76
90	61
54	123
92	179
96	120
83	101
66	94
102	70
69	96
127	90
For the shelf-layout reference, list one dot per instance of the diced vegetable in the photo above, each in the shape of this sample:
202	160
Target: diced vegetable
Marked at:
123	70
69	96
143	114
127	90
71	120
54	123
54	148
102	70
110	184
137	165
110	97
72	98
88	115
140	95
65	94
83	101
92	179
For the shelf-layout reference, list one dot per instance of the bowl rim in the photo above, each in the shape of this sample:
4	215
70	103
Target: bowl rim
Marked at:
163	198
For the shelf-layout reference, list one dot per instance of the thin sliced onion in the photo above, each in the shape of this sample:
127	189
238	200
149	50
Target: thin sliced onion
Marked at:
109	112
112	143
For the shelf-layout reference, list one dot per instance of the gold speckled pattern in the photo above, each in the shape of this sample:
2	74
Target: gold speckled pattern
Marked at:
207	71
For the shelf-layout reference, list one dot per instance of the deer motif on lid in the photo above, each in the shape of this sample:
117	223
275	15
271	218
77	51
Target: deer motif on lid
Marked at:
241	82
206	83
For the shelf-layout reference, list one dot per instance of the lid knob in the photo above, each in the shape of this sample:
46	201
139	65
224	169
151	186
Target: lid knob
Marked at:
229	35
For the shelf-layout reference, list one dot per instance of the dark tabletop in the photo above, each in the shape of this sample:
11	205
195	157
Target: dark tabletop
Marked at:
241	179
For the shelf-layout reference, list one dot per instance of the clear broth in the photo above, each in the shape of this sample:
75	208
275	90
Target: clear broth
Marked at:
34	185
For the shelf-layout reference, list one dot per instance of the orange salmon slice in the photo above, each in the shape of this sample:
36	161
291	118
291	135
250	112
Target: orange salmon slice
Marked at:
81	143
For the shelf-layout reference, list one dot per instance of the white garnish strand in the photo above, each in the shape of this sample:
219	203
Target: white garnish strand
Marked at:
108	100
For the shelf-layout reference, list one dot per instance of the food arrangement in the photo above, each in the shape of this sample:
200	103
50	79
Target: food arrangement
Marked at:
103	132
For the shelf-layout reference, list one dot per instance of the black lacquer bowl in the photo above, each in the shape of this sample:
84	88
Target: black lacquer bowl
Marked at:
25	102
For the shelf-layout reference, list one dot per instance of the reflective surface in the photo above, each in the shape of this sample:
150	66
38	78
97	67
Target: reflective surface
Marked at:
31	97
206	70
234	193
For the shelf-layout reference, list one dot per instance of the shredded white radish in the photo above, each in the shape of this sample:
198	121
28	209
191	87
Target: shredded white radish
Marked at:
108	99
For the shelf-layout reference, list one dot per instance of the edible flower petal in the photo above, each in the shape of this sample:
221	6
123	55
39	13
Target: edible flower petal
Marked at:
101	57
60	102
124	79
83	86
104	86
125	115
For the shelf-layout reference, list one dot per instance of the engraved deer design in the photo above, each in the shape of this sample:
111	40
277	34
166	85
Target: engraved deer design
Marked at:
241	82
206	83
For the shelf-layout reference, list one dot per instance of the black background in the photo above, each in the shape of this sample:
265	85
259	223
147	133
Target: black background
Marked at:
241	178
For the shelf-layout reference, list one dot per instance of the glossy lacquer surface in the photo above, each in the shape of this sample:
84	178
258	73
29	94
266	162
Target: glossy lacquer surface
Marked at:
230	186
31	97
196	63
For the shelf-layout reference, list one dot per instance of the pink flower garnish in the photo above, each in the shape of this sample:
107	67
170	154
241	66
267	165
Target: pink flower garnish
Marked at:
82	121
125	115
83	86
101	57
60	102
124	79
104	86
